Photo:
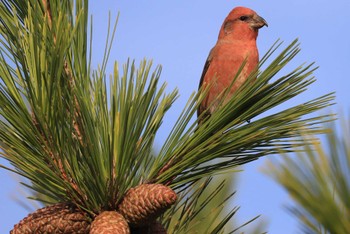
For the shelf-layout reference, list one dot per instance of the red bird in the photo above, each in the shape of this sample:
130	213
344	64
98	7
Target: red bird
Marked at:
236	44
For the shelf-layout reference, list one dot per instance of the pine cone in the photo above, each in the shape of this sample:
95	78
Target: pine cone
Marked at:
143	204
58	218
154	228
109	222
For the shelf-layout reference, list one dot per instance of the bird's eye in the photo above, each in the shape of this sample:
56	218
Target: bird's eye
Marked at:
243	18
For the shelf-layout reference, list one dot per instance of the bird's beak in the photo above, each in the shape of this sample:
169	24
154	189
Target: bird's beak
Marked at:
258	22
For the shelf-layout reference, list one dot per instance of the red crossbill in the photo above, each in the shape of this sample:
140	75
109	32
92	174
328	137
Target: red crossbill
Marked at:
236	44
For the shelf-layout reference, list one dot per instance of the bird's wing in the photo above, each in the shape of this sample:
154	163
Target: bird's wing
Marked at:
205	69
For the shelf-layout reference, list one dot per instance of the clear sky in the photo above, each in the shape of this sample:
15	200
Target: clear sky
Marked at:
179	34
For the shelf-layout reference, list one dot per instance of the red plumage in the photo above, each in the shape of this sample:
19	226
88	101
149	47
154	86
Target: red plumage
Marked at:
236	44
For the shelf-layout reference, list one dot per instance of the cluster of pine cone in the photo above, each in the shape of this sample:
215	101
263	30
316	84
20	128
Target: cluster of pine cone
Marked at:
136	214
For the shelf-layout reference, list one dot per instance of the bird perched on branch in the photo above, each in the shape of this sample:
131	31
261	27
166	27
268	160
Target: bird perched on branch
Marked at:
236	45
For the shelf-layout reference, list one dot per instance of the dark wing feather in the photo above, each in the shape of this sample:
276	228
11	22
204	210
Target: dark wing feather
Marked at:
205	69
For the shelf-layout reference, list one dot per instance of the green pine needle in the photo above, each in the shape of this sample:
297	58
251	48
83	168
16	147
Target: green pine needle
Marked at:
203	202
79	137
187	152
318	181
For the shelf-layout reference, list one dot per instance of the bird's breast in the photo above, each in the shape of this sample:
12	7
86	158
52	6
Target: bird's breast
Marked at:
227	60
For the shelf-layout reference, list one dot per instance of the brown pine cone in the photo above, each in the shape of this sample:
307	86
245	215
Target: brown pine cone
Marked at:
109	222
143	204
58	218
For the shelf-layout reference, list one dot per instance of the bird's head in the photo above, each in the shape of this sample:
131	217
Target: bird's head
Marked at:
242	22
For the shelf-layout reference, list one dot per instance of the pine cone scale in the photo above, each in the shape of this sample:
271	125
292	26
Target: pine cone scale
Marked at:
109	222
144	203
58	218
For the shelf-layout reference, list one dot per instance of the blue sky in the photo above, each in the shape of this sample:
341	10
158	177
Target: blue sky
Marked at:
179	34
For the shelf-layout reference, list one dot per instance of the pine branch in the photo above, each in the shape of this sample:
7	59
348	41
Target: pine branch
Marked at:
186	153
83	139
202	202
318	181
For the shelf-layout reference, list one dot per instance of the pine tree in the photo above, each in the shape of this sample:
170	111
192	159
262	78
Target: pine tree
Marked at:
86	147
318	181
